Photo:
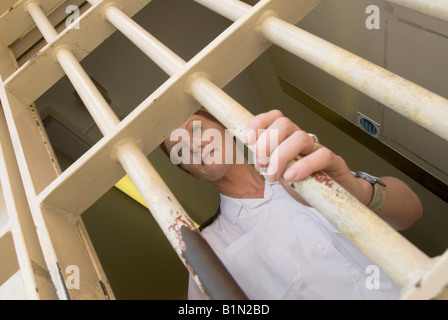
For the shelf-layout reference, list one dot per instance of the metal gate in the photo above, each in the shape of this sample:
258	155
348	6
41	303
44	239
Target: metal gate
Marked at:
44	204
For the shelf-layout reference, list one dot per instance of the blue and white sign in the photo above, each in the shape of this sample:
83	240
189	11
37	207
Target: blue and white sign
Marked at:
368	125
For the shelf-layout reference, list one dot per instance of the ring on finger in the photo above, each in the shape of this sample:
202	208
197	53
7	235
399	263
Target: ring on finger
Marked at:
316	142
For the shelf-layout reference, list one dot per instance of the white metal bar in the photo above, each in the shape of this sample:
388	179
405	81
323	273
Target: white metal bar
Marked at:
61	241
106	120
207	270
217	95
420	105
155	193
31	42
394	254
232	10
154	119
205	91
29	131
42	22
60	237
223	107
16	21
175	223
161	119
28	82
433	283
153	48
98	107
435	8
29	253
405	263
232	115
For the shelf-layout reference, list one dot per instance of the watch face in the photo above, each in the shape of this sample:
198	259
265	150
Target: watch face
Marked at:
369	178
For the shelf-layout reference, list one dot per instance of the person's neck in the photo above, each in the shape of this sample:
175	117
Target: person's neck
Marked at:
242	182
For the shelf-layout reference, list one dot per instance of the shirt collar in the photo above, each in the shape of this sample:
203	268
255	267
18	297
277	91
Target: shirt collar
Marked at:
231	208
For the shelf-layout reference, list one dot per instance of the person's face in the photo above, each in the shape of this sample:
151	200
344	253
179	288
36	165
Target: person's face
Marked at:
199	145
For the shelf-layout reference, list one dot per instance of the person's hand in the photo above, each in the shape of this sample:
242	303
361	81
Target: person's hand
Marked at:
278	141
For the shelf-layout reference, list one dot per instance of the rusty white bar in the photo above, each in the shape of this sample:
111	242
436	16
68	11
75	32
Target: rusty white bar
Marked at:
393	253
233	115
152	47
153	120
420	105
209	273
163	56
435	8
170	62
401	260
223	107
433	283
98	107
178	227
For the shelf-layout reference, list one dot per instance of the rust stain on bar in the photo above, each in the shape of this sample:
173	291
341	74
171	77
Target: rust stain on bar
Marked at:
211	276
323	178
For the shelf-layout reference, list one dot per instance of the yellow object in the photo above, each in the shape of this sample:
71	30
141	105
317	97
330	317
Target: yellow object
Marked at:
126	185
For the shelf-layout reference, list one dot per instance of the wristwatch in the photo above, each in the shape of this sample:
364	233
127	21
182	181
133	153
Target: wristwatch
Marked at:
379	191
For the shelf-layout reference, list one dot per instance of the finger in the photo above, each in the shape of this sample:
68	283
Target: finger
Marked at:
259	123
272	137
296	144
320	160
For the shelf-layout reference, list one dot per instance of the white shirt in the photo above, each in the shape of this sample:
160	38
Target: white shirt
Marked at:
277	248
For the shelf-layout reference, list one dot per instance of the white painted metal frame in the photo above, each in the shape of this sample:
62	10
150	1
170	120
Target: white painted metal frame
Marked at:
435	8
63	238
31	261
401	260
58	199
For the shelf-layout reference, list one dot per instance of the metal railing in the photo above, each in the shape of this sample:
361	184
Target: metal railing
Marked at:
126	143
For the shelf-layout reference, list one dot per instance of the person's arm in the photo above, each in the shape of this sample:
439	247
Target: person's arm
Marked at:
402	207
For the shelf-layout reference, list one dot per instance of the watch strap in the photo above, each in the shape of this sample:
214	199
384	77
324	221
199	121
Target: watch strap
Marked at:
379	197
